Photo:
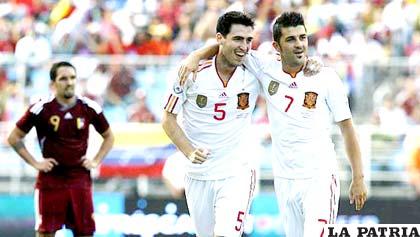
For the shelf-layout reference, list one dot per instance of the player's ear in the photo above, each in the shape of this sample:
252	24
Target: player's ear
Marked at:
52	85
220	38
276	46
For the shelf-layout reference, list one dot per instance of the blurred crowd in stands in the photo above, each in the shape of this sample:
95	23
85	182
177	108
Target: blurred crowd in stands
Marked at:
348	34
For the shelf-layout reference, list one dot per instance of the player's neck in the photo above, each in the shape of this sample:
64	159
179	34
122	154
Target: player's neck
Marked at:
291	70
224	68
66	101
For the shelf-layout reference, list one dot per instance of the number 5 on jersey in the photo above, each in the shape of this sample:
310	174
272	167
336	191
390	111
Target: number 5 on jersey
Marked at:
220	113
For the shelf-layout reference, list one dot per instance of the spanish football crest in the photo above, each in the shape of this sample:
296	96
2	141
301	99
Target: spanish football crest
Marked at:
273	87
243	100
310	100
201	101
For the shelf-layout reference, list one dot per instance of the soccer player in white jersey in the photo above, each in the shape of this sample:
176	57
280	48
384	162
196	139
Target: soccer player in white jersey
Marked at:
300	109
216	112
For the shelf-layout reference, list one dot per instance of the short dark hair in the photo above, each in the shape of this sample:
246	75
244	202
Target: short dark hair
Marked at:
287	19
56	66
225	21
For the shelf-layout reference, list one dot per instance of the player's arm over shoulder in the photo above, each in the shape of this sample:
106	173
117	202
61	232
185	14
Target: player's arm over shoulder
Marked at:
203	66
258	58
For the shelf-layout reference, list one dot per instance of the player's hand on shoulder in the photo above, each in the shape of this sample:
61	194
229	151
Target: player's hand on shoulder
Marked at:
89	163
46	165
358	193
198	156
313	66
188	65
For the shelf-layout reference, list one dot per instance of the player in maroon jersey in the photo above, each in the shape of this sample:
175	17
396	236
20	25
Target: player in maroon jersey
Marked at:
63	191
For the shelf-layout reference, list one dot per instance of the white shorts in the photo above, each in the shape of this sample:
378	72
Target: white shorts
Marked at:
306	205
219	207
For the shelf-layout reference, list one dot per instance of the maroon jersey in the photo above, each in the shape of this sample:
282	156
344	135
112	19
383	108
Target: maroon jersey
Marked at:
63	134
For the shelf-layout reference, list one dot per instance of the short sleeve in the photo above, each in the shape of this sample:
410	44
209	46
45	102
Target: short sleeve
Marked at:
175	96
337	100
27	121
96	114
100	123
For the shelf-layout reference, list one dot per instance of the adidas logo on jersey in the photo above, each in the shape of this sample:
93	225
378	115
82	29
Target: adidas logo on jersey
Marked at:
293	85
68	116
223	95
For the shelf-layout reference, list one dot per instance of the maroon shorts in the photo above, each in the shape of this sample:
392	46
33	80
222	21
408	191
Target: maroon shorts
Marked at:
72	207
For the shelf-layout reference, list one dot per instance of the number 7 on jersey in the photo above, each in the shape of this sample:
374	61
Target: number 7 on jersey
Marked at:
290	102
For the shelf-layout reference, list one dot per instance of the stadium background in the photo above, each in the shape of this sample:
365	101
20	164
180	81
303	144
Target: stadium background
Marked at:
127	50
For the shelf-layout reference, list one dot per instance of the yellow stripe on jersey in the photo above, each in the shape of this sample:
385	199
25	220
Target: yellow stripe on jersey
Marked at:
170	105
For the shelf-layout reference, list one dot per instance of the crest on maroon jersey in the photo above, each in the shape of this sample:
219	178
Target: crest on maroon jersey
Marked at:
80	123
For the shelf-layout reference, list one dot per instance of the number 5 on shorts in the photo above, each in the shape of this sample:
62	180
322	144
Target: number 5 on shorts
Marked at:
240	220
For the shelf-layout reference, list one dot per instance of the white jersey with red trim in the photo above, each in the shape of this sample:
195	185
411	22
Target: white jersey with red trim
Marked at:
216	116
300	110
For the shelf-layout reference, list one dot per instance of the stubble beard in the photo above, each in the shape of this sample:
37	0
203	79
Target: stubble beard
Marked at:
298	61
295	62
68	94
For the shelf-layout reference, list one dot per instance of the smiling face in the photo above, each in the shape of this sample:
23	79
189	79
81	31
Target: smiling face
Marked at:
292	46
64	83
236	44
